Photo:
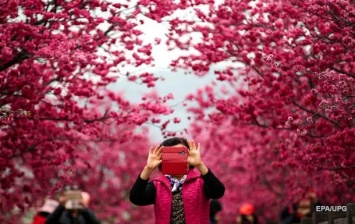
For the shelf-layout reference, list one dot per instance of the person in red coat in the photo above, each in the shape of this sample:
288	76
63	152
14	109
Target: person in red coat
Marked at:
42	213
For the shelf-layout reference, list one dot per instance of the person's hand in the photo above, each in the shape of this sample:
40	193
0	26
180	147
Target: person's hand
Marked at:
62	198
194	158
82	203
154	157
153	161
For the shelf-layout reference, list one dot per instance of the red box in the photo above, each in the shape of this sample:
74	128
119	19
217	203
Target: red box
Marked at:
174	160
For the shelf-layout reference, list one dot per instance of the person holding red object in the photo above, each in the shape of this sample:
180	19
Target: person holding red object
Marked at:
178	199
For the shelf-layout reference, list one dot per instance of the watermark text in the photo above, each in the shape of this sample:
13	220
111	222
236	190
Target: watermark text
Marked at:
321	208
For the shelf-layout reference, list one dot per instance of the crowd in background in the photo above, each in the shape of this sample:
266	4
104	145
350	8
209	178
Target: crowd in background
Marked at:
70	207
64	210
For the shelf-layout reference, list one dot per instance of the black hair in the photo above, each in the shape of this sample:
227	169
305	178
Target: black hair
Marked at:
175	141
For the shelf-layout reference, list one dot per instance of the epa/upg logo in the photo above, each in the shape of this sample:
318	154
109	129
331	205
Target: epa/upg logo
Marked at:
321	208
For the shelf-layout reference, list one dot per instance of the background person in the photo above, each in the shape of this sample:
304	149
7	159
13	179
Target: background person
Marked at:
44	211
302	208
215	208
73	210
246	214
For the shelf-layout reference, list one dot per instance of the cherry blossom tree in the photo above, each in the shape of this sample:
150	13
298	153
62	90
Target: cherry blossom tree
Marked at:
287	108
249	162
282	122
57	59
108	172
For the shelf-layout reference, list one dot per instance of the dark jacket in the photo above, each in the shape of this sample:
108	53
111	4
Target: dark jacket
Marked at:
63	216
143	192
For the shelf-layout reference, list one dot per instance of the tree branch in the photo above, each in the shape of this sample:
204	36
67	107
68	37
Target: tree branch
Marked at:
318	136
342	72
22	55
340	168
316	114
88	121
